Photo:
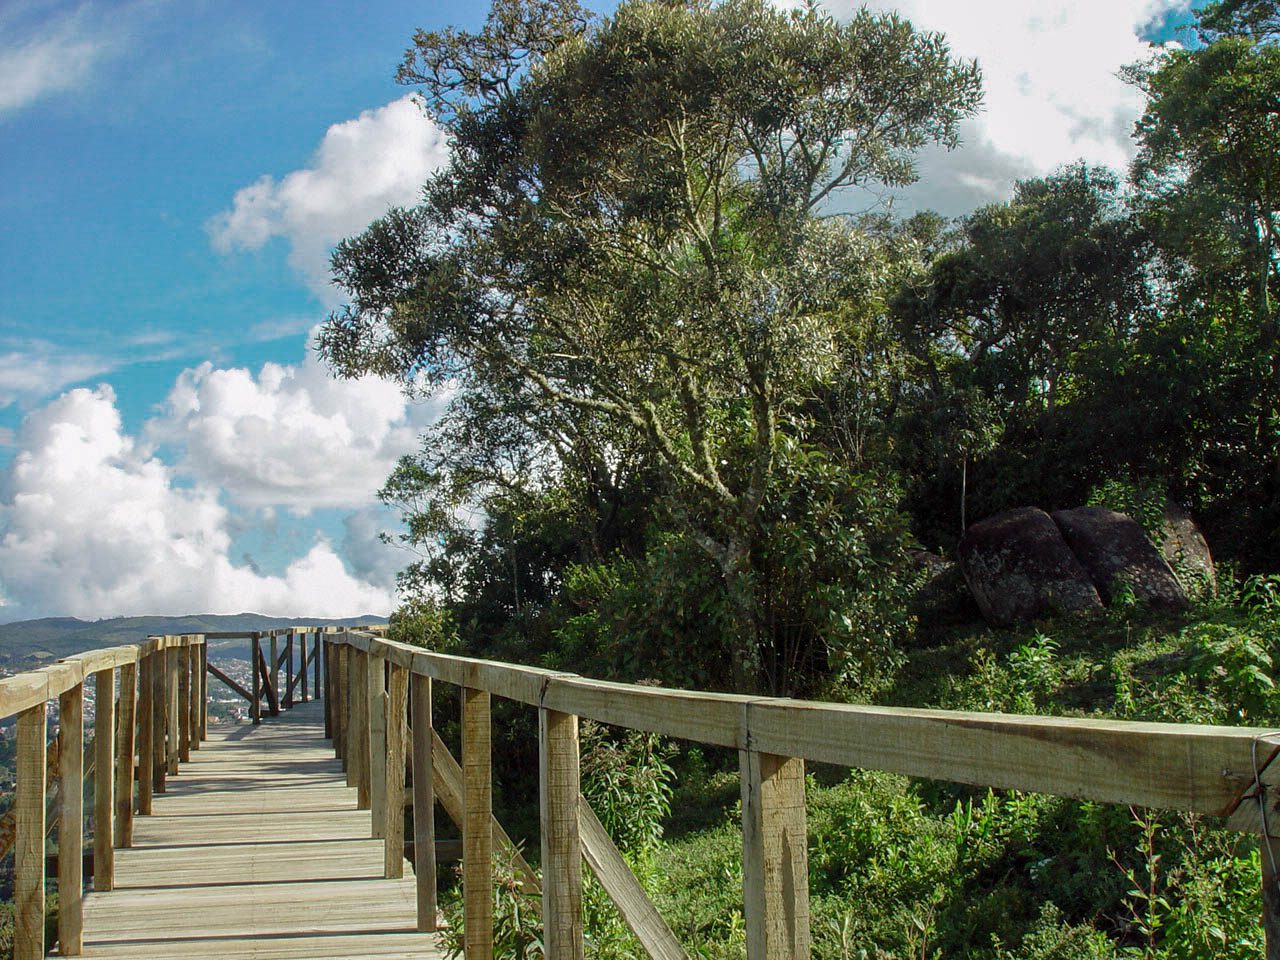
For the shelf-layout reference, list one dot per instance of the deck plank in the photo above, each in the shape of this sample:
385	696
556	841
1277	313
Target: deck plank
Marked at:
257	852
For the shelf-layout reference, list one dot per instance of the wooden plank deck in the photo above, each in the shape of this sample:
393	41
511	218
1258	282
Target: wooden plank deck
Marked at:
257	852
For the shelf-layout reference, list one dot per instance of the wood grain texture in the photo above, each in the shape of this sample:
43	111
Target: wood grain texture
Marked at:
28	853
424	802
146	735
558	792
775	859
477	834
257	852
393	773
104	772
126	726
185	674
377	701
71	822
1271	895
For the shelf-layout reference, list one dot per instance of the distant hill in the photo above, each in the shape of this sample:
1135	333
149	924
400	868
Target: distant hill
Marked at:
54	637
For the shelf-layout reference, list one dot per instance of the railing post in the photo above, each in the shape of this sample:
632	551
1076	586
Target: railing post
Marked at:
125	745
319	646
339	683
377	771
358	726
146	733
325	651
775	858
1270	894
104	734
185	700
28	857
71	822
173	713
288	670
159	718
558	791
302	664
424	804
202	705
255	708
477	830
393	791
273	669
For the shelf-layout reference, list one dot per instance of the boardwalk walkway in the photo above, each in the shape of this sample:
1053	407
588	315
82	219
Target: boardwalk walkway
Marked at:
256	852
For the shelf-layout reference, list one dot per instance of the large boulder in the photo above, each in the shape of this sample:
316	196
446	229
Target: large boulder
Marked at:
942	593
1115	550
1183	545
1019	568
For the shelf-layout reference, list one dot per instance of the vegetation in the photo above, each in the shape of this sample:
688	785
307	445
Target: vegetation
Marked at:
699	421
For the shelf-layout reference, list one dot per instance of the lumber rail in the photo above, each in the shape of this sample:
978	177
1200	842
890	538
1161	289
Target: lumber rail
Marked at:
1221	771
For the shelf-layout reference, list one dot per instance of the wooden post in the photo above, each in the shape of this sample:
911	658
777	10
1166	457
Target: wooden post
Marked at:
104	770
325	651
424	805
125	744
377	772
477	832
273	668
71	822
159	717
288	670
358	726
302	664
558	790
775	857
1271	894
196	698
172	717
338	685
203	708
146	734
393	791
256	707
28	854
185	700
316	666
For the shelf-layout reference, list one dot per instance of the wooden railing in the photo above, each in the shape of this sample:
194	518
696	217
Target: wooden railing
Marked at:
1223	771
266	693
148	716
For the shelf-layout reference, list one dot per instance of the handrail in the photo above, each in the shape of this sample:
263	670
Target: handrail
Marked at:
1223	771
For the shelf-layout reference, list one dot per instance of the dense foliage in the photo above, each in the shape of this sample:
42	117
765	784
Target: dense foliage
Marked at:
699	422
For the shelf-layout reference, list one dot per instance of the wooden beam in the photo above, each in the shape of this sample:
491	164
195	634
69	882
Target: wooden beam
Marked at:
71	823
477	834
173	714
377	704
104	722
146	734
358	728
267	682
775	858
288	670
231	683
125	744
1271	895
424	804
273	675
185	699
255	658
558	790
28	856
633	903
159	718
202	707
393	785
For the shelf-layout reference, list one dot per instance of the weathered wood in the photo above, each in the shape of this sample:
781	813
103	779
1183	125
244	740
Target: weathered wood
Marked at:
125	744
22	691
159	719
424	803
146	735
377	704
303	663
358	728
775	859
1271	895
558	790
104	720
184	704
28	855
477	834
256	702
615	876
393	786
173	718
202	706
105	658
71	822
273	675
318	660
288	670
268	682
327	652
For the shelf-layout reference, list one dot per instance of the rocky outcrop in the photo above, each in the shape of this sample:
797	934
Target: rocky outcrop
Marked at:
1115	551
1019	568
1187	551
942	591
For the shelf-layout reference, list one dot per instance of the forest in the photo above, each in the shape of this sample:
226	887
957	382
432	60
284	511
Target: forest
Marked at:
709	428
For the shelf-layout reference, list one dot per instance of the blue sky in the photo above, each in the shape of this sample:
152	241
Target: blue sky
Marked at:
172	176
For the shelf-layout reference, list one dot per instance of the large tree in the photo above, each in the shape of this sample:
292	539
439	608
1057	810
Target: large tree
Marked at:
634	227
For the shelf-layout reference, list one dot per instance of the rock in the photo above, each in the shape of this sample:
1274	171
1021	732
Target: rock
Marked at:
1187	551
943	592
1019	568
1115	550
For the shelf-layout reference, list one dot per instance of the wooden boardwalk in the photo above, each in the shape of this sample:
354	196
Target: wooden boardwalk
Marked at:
257	851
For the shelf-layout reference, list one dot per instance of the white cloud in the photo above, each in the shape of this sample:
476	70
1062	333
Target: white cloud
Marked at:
291	436
57	57
34	369
93	525
1052	91
364	550
361	169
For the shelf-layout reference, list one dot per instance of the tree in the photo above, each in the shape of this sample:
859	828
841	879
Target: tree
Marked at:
631	229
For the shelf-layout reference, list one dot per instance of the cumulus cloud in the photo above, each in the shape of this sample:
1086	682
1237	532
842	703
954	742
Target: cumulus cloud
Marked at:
1052	91
361	169
92	524
34	369
290	436
55	57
